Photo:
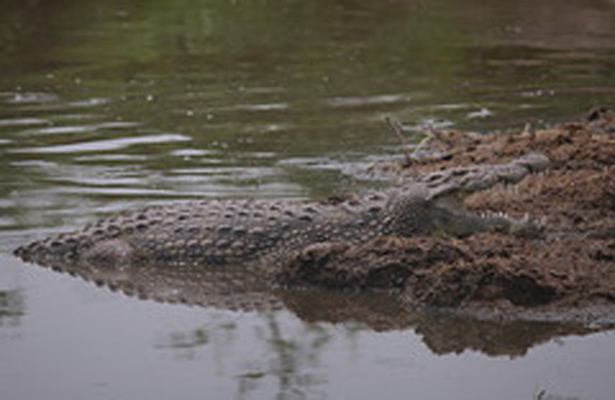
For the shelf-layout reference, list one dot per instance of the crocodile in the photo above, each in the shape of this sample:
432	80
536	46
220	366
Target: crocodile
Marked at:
265	234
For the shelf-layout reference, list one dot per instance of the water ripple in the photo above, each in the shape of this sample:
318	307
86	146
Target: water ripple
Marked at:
22	122
55	130
120	191
27	97
105	145
111	157
367	100
194	152
70	129
91	102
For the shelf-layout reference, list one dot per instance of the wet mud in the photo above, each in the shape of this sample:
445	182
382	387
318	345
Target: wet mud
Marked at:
566	271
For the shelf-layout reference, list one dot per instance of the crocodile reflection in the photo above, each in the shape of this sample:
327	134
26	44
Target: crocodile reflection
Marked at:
241	289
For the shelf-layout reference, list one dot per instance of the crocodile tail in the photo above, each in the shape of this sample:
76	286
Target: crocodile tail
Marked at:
48	251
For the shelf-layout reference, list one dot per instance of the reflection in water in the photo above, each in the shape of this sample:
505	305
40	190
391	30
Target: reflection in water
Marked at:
12	307
544	395
289	361
243	289
289	358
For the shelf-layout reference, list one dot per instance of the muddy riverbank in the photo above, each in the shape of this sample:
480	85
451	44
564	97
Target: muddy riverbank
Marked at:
566	271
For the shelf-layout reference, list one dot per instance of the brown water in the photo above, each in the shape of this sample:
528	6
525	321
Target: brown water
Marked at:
111	105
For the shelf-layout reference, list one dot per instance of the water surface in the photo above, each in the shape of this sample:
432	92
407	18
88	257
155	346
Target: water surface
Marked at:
113	105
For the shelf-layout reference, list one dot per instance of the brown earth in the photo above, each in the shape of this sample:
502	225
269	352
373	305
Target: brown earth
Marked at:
568	271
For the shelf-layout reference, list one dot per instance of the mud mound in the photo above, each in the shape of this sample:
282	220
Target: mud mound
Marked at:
571	265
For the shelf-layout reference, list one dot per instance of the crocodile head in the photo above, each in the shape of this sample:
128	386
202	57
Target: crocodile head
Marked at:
433	203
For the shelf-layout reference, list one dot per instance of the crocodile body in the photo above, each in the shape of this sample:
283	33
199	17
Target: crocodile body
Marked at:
269	232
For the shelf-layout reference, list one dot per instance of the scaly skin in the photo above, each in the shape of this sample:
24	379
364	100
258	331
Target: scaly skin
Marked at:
269	232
